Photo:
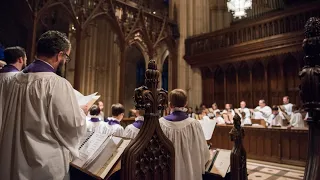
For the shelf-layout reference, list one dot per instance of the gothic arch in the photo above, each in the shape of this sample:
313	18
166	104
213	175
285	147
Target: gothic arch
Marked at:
141	46
219	86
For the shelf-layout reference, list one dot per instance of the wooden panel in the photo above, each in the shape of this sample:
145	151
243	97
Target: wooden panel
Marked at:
231	86
274	77
258	83
278	145
219	88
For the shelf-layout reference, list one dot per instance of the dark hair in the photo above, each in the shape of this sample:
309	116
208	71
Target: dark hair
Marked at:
275	108
178	98
12	54
94	110
52	42
117	109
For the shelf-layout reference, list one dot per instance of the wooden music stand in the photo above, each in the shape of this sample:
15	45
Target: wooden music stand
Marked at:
310	95
150	155
261	122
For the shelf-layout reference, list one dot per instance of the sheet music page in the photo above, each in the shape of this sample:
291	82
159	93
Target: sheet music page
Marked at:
208	126
89	148
84	100
222	163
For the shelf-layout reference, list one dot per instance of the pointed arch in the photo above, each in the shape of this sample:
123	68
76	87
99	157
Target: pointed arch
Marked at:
258	82
244	83
219	86
231	85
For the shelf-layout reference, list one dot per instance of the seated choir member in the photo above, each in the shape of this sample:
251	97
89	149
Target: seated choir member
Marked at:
113	126
191	113
191	149
94	124
287	107
275	119
213	109
244	113
262	111
228	114
219	119
296	118
133	129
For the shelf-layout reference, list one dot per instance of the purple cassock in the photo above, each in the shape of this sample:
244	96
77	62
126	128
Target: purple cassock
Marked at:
176	116
138	124
39	66
8	68
93	119
113	122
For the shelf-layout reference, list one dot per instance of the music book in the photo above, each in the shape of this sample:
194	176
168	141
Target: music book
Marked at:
88	100
220	164
98	153
208	126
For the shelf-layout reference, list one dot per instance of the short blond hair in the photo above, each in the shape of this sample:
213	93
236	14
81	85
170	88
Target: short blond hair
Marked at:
178	98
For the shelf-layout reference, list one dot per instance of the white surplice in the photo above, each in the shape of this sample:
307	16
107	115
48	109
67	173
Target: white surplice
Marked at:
220	120
246	119
275	120
95	126
262	113
131	131
191	149
296	120
288	109
114	129
42	125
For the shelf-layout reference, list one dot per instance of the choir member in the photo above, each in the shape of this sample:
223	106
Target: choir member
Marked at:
113	126
262	111
94	124
296	118
43	121
275	119
133	129
244	113
101	107
228	114
15	59
191	149
219	119
213	109
286	108
191	113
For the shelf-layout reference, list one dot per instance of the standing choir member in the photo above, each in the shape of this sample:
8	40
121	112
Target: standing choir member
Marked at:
94	124
133	129
228	114
191	149
43	121
244	113
287	107
296	118
15	59
275	118
113	126
101	107
262	111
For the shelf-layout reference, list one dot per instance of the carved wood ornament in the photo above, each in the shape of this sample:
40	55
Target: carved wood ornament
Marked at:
150	155
238	158
310	94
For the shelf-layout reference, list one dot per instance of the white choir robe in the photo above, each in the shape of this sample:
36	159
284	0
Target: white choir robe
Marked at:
132	130
191	149
296	120
213	111
246	119
220	120
288	109
267	111
43	124
113	127
98	126
275	120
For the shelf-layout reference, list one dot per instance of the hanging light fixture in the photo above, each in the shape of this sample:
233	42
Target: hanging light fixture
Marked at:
239	7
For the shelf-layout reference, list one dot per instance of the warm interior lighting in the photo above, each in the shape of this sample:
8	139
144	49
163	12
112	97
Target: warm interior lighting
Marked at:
239	7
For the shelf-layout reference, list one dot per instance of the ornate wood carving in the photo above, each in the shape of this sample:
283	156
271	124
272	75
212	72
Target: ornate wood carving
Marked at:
238	158
150	155
310	95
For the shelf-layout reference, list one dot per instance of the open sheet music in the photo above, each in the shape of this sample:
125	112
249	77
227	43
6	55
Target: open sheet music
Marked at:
220	163
208	126
86	100
99	152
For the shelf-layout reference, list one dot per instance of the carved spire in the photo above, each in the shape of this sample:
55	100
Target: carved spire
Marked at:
310	94
150	155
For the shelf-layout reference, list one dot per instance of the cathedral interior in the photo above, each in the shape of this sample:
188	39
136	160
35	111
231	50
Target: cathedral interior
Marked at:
222	51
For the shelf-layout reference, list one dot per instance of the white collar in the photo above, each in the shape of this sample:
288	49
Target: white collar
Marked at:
139	118
183	109
115	119
45	62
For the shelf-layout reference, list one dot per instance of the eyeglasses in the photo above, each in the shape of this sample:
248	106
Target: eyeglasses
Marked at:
68	59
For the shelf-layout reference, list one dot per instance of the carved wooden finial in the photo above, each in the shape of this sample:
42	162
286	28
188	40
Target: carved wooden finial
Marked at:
310	94
238	158
150	155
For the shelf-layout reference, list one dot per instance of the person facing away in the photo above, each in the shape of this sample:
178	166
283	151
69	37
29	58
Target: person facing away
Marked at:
43	123
296	118
275	119
191	149
113	126
15	59
94	124
133	129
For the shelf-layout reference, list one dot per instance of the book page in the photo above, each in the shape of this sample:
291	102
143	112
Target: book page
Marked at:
85	100
222	163
89	148
208	126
